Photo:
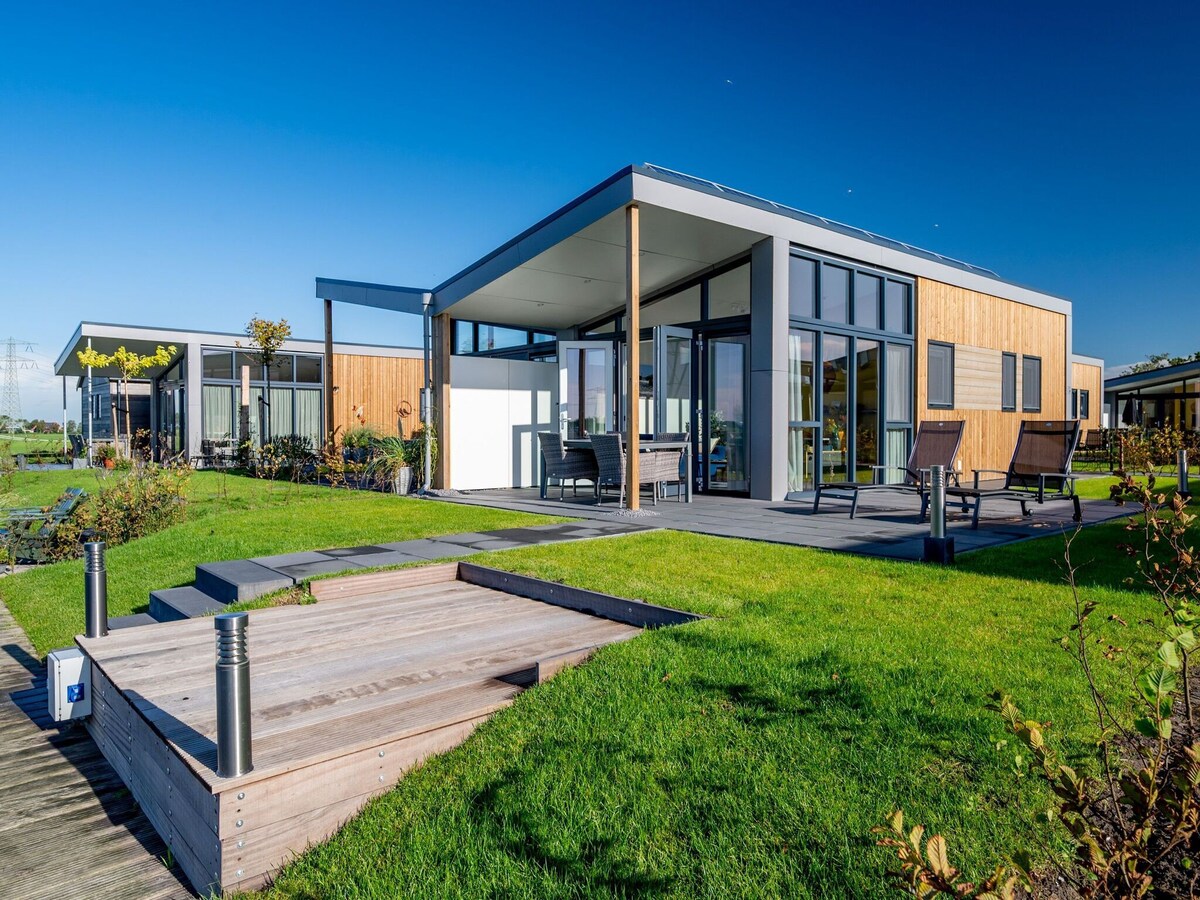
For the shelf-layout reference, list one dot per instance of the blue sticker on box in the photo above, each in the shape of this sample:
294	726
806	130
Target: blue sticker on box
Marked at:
74	693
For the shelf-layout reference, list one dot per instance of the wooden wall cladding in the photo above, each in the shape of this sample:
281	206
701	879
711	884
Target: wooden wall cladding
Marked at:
376	389
974	322
1090	379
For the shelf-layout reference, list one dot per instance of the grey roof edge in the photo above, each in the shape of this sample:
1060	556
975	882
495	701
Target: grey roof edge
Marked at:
1166	373
978	274
379	296
591	192
1087	360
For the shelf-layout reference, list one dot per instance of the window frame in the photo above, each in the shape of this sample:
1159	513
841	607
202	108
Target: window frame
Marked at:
1004	358
1025	407
929	403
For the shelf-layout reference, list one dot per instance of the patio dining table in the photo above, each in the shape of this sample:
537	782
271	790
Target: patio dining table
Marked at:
684	448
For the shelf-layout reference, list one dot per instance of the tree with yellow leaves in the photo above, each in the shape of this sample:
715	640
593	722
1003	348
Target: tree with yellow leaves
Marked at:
128	365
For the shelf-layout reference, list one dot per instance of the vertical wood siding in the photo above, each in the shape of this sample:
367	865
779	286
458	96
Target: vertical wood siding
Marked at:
381	386
982	322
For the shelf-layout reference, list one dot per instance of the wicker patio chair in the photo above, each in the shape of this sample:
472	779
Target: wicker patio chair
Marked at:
681	469
1040	470
653	468
936	444
564	464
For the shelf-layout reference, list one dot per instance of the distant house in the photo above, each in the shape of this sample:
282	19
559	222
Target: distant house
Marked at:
1161	398
789	347
196	398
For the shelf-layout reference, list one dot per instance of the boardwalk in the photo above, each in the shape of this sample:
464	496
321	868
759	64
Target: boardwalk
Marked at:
69	829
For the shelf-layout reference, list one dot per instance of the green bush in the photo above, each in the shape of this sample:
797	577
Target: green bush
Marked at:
125	506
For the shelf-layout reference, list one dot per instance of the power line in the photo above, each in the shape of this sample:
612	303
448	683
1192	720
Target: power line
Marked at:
13	363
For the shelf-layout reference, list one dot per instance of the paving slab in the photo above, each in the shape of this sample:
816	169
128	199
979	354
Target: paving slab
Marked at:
301	571
390	558
357	551
290	559
177	604
137	620
239	580
430	549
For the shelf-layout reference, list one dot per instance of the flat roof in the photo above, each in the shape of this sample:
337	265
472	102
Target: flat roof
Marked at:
1189	369
106	336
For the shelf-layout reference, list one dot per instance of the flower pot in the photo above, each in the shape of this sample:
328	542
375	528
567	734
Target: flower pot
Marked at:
110	463
402	482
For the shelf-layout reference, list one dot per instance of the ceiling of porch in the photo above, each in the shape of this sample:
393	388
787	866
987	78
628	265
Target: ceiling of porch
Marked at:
583	276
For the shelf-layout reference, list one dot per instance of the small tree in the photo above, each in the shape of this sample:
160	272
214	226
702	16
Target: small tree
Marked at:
266	337
128	365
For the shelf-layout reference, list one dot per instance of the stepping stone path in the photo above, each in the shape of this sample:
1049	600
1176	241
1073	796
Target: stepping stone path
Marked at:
221	583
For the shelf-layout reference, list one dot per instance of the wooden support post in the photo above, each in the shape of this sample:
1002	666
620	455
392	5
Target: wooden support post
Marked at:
442	330
633	278
243	408
327	373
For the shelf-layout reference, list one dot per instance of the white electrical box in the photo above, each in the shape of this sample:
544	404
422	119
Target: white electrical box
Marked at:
69	684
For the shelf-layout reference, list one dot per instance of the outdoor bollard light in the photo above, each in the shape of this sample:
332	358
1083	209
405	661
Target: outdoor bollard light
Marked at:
233	696
1182	487
938	547
95	589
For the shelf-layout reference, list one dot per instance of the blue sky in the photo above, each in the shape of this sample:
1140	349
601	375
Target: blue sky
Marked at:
193	166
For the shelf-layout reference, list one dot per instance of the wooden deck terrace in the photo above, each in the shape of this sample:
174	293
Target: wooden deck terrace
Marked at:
347	694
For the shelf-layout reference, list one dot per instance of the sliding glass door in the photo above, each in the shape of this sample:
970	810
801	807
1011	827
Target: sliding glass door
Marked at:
726	449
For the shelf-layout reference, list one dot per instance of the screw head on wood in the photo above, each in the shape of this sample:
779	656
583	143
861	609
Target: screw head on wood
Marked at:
239	823
241	795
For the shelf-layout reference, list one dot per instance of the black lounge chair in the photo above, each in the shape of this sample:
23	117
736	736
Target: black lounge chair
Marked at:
936	444
1040	470
27	531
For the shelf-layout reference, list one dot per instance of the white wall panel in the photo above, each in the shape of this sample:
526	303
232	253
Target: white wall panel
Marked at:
497	406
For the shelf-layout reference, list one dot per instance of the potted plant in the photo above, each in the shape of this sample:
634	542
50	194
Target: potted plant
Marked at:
390	465
106	455
357	444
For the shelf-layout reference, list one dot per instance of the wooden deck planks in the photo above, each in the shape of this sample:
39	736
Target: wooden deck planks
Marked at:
347	694
71	828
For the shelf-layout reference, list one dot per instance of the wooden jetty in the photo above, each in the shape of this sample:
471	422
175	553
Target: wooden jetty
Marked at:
347	695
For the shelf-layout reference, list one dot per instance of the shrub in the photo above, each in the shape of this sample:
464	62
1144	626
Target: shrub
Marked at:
416	454
136	503
362	437
1134	821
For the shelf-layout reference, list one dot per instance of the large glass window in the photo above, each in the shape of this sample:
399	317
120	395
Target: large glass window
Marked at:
217	411
941	375
673	310
802	410
308	369
899	385
835	407
1008	381
802	287
728	380
217	364
866	300
835	293
282	368
496	337
867	378
1031	384
896	316
308	414
729	293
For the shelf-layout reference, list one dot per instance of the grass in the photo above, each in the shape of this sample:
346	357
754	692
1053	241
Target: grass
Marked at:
748	755
229	517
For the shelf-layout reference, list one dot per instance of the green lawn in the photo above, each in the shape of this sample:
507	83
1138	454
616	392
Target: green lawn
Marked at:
747	755
750	754
31	443
229	517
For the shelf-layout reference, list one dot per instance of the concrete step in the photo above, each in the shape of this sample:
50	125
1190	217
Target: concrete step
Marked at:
176	604
238	580
134	621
